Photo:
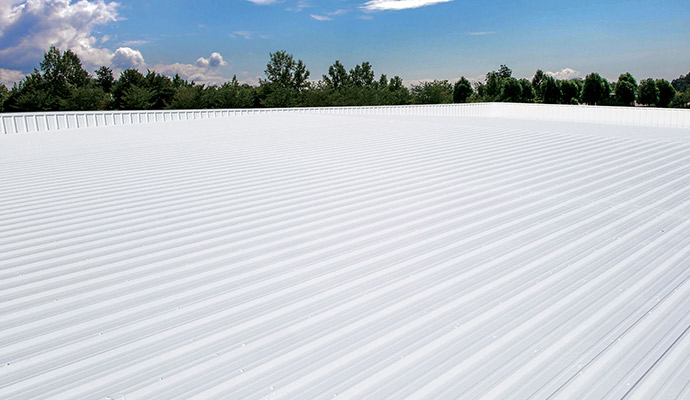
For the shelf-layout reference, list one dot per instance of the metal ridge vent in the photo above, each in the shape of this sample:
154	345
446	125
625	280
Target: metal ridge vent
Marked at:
300	256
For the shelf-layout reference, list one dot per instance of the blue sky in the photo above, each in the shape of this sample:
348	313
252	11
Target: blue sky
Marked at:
416	39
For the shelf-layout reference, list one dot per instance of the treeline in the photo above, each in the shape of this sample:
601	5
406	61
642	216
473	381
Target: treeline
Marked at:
61	83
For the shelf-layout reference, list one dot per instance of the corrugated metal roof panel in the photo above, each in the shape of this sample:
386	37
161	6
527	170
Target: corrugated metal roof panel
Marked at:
306	256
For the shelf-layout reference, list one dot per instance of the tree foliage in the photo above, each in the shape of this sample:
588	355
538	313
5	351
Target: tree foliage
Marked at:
137	98
682	83
595	89
362	75
550	90
104	79
462	90
61	83
647	92
492	87
625	93
666	92
511	91
626	89
283	72
62	72
86	98
570	92
527	93
435	92
681	99
337	76
536	83
4	95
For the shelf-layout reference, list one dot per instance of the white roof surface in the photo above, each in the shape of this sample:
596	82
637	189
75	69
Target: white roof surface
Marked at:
371	257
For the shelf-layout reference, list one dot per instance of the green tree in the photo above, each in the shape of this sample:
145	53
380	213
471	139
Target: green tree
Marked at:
285	79
462	90
536	84
31	94
550	90
627	77
301	76
233	95
137	98
282	71
86	99
50	88
625	89
647	92
492	87
337	76
511	91
4	95
188	97
362	75
62	71
277	97
570	92
104	78
382	83
178	82
396	92
527	94
681	99
504	72
436	92
595	89
666	92
682	83
396	83
162	88
128	79
491	90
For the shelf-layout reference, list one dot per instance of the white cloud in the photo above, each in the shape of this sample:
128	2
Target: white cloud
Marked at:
190	72
320	17
301	5
243	34
216	60
128	43
28	28
377	5
204	71
264	2
126	57
9	76
564	74
481	33
341	11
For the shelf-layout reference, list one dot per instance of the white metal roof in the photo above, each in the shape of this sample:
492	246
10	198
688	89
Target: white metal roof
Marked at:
295	256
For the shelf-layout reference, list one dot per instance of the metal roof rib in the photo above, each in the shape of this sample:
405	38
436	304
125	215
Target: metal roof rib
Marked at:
386	253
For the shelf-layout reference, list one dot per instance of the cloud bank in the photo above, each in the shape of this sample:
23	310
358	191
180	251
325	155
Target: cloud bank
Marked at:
29	27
